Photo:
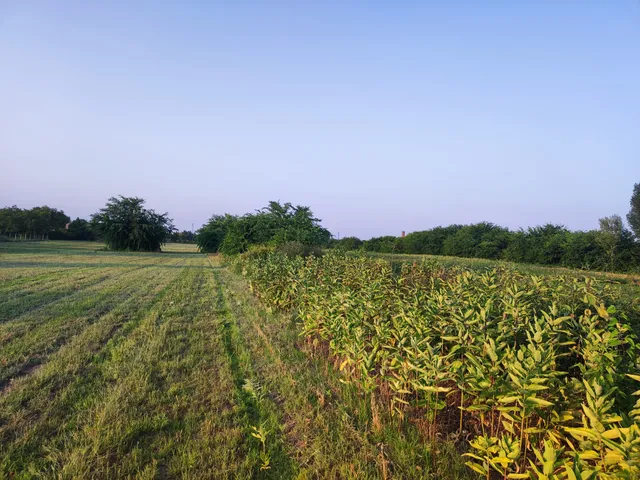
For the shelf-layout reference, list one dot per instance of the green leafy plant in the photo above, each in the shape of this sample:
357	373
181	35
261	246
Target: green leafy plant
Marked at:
530	368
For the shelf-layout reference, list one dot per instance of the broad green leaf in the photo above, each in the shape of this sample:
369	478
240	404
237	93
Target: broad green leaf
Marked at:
539	401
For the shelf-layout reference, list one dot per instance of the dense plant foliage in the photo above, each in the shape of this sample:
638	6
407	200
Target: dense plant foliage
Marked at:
538	373
78	229
613	247
386	244
346	243
185	236
275	224
35	222
299	249
124	224
633	217
210	237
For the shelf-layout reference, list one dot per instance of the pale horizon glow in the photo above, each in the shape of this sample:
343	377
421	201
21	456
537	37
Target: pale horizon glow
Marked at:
381	117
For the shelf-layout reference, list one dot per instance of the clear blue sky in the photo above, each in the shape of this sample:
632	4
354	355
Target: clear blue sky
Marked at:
381	116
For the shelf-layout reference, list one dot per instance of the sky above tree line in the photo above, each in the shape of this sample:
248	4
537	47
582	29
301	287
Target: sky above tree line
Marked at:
381	116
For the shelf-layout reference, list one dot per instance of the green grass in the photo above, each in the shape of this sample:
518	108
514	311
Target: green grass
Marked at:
163	365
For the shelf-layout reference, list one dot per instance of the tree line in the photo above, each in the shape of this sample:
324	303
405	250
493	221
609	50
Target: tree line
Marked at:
42	222
125	224
122	217
612	247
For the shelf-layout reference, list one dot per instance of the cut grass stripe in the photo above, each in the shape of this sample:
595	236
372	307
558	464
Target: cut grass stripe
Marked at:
42	409
30	341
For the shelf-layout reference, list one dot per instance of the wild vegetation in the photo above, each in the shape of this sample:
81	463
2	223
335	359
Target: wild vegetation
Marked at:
184	236
535	376
275	224
611	248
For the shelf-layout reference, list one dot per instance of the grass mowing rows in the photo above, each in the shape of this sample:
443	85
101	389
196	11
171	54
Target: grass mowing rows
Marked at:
30	337
143	389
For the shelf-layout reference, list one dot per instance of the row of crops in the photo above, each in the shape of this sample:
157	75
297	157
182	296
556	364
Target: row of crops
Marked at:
536	376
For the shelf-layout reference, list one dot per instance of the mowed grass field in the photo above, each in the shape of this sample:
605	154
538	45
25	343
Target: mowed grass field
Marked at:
131	365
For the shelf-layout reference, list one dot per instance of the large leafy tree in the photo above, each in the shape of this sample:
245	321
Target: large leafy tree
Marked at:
80	229
210	237
633	217
13	220
124	224
386	244
275	224
347	243
609	237
41	220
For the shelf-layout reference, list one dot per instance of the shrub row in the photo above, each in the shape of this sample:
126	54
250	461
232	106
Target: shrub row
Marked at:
545	245
537	373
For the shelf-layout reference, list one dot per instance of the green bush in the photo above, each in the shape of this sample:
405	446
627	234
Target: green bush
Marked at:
535	372
347	244
275	224
386	244
299	249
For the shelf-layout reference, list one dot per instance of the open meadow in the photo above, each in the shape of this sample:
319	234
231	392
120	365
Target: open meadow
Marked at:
166	365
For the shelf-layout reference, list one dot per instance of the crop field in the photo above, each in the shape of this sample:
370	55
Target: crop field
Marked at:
177	365
116	365
536	376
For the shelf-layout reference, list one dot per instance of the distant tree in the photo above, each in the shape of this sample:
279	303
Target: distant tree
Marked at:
126	225
385	244
517	249
609	237
544	245
80	229
430	242
13	220
633	217
482	240
583	251
288	223
242	233
275	224
347	243
41	220
185	236
212	234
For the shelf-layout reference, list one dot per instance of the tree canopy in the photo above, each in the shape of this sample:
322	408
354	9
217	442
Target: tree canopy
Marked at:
125	225
275	224
611	247
35	221
633	217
